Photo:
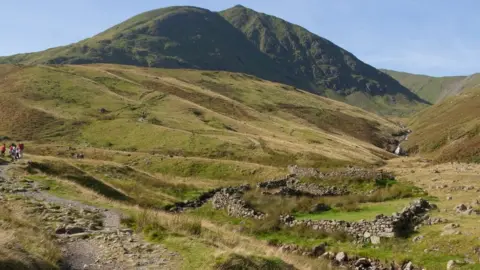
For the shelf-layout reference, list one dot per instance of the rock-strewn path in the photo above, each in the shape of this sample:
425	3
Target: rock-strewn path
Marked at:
90	237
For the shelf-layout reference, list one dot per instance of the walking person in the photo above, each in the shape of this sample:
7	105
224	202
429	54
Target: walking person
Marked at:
13	151
17	153
20	150
3	149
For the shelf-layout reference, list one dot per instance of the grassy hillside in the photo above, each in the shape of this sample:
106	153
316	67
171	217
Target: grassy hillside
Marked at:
197	114
237	40
434	89
449	130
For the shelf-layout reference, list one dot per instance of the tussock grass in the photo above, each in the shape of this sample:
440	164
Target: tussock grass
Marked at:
23	244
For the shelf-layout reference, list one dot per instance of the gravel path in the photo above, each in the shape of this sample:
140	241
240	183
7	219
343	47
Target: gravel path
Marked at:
90	237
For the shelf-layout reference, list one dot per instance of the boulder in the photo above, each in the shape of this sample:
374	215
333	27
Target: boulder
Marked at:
408	266
362	263
61	229
318	250
72	229
417	238
328	255
375	240
451	264
341	257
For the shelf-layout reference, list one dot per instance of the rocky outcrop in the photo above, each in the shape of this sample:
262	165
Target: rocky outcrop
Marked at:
466	209
382	227
231	200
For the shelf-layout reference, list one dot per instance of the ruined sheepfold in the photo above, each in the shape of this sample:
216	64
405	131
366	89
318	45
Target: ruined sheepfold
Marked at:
349	172
291	186
399	224
229	198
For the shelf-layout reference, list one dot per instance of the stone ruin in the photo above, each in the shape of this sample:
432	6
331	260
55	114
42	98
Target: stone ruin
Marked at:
399	224
349	172
228	198
179	207
291	186
231	200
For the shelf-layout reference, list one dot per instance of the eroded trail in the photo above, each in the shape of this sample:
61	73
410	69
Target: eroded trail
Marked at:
90	237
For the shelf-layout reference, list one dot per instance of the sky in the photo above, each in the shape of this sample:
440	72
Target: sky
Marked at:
433	37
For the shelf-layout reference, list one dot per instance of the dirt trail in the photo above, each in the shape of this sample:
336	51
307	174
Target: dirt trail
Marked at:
90	237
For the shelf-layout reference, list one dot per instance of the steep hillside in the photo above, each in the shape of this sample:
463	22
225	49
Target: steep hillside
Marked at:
216	115
319	61
434	89
240	41
450	130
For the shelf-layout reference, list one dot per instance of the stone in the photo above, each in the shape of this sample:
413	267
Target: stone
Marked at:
341	257
318	250
449	198
61	229
74	229
82	235
363	262
408	266
367	235
375	240
451	226
451	264
417	238
328	255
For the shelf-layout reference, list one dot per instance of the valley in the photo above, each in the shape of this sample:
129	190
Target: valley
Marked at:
184	138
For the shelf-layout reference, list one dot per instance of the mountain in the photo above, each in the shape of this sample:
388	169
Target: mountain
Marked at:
449	130
434	89
237	40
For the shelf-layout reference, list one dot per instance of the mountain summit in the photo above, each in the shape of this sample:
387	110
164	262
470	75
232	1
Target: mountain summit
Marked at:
239	40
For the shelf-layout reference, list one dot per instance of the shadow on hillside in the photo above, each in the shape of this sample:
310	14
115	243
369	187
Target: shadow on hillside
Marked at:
78	176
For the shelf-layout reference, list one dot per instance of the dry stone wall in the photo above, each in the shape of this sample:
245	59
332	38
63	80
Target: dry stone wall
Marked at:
231	200
383	226
349	172
291	186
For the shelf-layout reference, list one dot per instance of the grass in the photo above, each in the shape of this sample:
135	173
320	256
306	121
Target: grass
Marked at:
23	245
448	131
235	261
366	211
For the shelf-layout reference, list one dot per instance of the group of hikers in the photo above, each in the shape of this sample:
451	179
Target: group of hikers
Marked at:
15	151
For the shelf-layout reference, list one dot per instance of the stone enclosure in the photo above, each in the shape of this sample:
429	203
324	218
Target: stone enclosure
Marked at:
399	224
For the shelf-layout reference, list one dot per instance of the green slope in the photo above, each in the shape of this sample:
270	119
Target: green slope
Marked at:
238	40
434	89
197	114
449	130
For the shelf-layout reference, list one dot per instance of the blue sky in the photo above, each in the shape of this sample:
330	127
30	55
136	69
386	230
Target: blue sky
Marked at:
434	37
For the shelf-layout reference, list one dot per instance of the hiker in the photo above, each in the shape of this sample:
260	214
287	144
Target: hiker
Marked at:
18	153
3	149
13	151
20	150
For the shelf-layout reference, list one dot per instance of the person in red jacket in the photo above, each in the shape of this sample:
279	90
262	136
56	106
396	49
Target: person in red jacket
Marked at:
20	147
3	149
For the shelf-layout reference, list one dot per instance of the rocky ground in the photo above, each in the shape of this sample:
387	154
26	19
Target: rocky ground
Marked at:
89	237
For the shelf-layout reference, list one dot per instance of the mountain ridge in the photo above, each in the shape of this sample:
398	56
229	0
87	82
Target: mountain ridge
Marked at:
191	37
434	89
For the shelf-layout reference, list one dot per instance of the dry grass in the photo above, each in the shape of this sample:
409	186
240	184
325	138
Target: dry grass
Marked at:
23	245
